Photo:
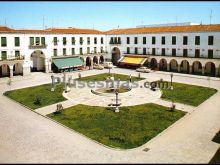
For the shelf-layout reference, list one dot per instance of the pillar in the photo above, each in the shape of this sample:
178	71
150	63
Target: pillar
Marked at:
203	70
190	69
168	67
11	70
158	66
216	72
178	68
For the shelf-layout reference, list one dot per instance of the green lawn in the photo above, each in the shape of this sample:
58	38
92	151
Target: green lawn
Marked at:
103	76
188	94
28	96
131	127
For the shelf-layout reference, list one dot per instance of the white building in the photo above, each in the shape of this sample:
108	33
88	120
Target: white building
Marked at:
183	48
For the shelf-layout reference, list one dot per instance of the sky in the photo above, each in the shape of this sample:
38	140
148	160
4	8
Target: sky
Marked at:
104	15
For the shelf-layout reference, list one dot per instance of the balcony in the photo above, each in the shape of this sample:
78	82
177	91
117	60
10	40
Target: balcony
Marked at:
38	46
12	58
115	43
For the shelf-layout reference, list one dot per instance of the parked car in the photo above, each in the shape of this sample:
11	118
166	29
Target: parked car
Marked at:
96	66
143	69
108	65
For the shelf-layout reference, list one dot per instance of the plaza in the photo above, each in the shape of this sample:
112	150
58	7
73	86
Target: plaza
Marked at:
24	130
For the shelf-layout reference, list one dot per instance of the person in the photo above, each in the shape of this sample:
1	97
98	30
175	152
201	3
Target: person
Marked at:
130	77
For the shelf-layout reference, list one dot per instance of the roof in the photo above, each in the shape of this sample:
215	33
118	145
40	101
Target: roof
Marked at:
188	28
4	29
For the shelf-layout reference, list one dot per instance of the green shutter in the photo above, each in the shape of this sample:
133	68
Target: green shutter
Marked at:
17	53
55	52
73	51
4	55
31	40
3	41
42	40
37	41
17	41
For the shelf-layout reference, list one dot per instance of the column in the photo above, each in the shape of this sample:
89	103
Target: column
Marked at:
46	65
158	66
11	70
168	67
216	72
178	69
203	70
190	69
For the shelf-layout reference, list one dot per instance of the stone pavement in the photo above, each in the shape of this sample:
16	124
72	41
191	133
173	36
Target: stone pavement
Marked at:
27	137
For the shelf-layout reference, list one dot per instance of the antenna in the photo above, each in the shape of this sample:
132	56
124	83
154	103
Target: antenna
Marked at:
211	17
5	22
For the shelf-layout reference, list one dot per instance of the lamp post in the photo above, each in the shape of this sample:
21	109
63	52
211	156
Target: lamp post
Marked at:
171	76
116	105
52	77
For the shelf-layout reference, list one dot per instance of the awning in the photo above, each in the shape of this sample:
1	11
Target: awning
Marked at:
133	60
64	63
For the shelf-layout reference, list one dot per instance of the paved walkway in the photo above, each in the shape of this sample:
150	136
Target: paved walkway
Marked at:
31	138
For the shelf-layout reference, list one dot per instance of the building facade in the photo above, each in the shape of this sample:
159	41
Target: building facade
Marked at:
192	49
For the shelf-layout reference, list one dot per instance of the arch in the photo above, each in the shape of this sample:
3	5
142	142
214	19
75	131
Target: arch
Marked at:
163	64
219	70
101	59
209	69
95	60
173	65
153	63
38	61
184	66
197	68
4	70
17	69
88	61
116	54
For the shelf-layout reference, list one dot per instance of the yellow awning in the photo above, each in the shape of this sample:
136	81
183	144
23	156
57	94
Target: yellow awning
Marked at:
133	60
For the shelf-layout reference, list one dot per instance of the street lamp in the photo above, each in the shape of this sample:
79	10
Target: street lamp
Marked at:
171	76
116	105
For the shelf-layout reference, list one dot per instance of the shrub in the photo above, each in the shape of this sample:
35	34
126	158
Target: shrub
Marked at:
37	100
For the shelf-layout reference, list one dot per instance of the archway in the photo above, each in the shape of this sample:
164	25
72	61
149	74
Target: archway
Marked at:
101	59
173	66
17	69
197	68
153	63
4	70
38	61
184	66
88	61
163	65
210	69
115	55
95	60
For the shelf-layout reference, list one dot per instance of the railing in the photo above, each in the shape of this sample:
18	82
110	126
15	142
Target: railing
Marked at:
115	43
12	58
37	46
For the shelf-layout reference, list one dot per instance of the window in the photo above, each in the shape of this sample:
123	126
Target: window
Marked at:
128	40
3	41
81	51
95	51
210	53
31	40
210	40
119	40
101	49
81	40
135	40
4	55
153	51
37	42
42	40
128	50
173	40
102	41
144	51
55	40
174	52
115	40
17	41
185	52
185	40
163	52
88	50
17	53
64	40
197	40
95	40
73	40
54	52
197	53
73	51
163	40
144	40
88	40
135	50
64	51
153	40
